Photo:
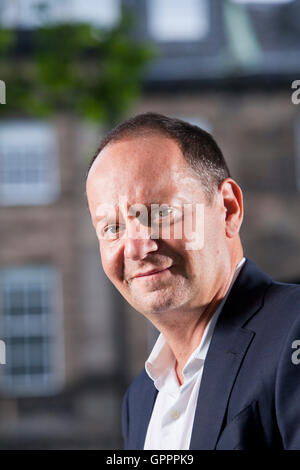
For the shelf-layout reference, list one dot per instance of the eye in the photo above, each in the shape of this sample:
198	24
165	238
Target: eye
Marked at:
163	214
111	228
110	231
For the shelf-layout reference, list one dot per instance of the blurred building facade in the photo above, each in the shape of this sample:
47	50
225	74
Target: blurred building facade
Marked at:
72	343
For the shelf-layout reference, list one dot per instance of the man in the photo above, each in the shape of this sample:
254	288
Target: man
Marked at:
224	371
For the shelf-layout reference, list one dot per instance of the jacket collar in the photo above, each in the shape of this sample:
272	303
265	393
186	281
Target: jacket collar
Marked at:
229	344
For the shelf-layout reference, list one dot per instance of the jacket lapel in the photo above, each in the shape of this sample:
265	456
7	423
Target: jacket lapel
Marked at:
228	347
145	402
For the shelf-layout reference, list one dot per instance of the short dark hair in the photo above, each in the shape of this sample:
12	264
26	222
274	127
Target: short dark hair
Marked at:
198	147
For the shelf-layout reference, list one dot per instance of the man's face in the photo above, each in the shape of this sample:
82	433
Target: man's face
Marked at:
145	170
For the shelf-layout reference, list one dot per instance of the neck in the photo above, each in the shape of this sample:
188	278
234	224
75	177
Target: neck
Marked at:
183	330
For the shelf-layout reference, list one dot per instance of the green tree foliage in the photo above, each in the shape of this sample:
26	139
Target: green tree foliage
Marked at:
75	68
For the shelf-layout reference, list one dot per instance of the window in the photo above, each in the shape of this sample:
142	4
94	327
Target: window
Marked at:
28	164
177	20
100	13
30	321
33	13
25	13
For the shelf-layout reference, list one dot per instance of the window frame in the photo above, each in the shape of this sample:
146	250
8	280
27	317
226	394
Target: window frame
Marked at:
171	40
47	326
46	188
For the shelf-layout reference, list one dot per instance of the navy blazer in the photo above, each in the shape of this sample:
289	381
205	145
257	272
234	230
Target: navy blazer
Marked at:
249	397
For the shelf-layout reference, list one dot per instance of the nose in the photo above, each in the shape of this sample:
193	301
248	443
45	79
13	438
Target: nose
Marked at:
138	242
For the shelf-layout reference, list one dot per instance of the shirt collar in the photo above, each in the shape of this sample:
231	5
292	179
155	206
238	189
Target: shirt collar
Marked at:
161	360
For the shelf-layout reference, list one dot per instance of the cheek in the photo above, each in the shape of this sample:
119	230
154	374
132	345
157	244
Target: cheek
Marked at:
112	262
214	230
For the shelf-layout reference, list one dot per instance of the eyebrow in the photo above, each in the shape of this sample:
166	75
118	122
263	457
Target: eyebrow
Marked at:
104	215
98	218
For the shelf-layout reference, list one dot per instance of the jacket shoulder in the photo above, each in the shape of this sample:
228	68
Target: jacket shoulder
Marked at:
279	300
283	299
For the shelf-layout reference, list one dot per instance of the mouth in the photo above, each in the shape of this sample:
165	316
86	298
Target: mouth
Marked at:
155	273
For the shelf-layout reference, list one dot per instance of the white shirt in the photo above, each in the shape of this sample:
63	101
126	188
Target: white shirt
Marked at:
172	418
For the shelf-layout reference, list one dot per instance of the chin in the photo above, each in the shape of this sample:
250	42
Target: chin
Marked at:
155	308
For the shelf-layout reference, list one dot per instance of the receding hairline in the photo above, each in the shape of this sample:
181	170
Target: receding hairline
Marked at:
201	153
132	134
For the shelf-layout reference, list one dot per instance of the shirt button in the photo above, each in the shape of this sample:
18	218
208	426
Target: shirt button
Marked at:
175	414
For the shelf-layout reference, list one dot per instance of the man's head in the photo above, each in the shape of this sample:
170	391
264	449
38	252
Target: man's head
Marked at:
152	159
198	147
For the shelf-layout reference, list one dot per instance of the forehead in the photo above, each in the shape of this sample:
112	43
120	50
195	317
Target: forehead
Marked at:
146	168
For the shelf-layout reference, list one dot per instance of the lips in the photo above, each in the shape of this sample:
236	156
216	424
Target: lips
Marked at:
149	273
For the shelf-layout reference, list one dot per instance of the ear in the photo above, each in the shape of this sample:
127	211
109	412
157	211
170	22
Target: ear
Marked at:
232	199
